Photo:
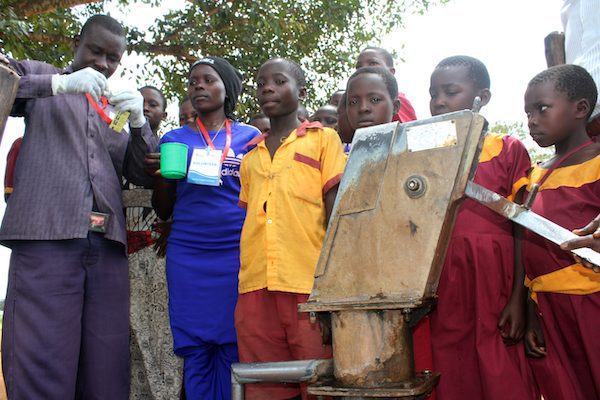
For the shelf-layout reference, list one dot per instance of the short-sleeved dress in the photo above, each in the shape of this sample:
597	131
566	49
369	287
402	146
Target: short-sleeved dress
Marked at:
476	284
567	293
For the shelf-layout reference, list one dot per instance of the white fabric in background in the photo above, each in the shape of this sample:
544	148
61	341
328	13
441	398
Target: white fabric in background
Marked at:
581	23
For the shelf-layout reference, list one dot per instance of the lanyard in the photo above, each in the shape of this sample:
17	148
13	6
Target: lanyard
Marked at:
209	141
99	109
561	160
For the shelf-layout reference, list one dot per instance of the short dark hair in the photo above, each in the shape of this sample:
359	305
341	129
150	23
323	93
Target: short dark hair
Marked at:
388	79
389	60
477	71
105	21
157	90
571	79
343	100
294	68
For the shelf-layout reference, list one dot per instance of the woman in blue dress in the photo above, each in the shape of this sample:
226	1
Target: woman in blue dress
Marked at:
203	247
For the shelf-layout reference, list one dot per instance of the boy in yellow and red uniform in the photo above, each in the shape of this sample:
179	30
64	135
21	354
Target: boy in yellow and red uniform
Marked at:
289	182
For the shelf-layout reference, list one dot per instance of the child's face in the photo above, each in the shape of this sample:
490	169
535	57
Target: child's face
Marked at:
451	89
99	49
153	107
372	58
206	89
551	115
368	101
336	97
277	91
326	115
262	124
187	114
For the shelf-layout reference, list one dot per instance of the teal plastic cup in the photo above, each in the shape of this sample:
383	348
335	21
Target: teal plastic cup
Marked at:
173	160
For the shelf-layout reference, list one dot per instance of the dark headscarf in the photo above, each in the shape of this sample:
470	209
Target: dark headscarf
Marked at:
231	77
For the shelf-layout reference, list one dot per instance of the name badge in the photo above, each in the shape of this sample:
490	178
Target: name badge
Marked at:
205	167
119	121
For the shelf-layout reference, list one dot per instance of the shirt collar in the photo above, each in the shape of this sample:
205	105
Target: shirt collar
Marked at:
300	131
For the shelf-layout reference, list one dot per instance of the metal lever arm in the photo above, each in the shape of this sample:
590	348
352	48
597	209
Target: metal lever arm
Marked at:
528	219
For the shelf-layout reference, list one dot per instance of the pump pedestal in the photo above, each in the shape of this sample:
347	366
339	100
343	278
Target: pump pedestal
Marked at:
384	249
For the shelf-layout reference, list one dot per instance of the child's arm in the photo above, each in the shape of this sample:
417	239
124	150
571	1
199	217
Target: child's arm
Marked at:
163	195
244	184
163	198
535	345
329	200
514	310
333	162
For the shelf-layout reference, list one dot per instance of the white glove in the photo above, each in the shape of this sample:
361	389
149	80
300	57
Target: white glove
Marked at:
132	101
86	80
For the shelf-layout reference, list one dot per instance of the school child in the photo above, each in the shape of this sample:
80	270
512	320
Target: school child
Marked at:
336	97
371	99
187	114
378	57
155	371
203	246
343	125
289	182
479	319
565	296
261	122
139	220
154	106
326	115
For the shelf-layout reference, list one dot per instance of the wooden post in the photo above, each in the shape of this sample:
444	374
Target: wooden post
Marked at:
554	44
9	83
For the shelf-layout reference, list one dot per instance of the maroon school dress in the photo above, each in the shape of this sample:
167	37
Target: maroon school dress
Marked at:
567	293
476	284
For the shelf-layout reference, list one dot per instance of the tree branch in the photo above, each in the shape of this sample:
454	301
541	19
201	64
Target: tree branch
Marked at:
46	38
28	8
178	51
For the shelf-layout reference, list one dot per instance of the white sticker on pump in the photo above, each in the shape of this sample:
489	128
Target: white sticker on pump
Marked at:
431	136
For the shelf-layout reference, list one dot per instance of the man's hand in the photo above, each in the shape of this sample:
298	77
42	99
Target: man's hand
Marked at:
86	80
590	237
132	101
4	61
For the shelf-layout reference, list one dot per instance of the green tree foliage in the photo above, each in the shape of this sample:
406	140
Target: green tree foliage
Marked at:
323	35
517	130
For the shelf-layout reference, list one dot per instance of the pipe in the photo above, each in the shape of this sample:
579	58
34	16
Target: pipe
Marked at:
277	372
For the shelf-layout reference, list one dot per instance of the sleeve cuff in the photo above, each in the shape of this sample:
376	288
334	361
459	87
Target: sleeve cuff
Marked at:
331	183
